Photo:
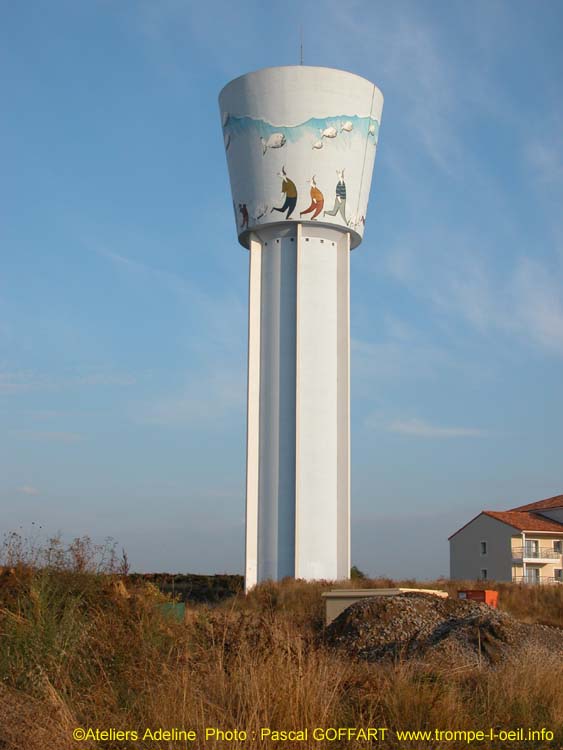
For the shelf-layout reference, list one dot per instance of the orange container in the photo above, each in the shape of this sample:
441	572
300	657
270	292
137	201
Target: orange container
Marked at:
488	596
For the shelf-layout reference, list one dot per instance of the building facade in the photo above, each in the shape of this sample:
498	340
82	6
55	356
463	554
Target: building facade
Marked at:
522	545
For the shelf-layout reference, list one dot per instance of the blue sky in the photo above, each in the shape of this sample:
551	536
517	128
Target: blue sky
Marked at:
123	291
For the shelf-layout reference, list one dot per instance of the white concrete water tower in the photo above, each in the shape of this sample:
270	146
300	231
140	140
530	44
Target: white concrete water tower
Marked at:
300	144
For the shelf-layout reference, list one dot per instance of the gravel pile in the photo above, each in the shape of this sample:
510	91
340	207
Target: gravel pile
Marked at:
414	625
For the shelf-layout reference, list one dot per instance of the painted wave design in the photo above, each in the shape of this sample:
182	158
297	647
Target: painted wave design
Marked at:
314	128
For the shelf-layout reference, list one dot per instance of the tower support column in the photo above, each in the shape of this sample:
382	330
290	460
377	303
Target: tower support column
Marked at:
253	414
298	434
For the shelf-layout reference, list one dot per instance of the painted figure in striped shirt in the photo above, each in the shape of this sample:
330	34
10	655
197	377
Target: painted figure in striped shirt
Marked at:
340	198
317	201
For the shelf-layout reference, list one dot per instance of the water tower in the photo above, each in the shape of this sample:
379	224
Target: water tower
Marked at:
300	144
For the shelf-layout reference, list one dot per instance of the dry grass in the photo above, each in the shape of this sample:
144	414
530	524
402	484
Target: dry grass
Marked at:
79	650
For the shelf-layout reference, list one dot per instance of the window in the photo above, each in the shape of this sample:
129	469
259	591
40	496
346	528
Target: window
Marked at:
483	548
557	546
532	548
558	574
532	575
484	574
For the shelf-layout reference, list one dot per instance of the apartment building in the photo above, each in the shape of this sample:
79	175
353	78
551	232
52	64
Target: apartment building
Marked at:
523	544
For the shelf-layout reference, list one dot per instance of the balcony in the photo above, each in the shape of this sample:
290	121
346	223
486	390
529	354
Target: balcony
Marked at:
535	553
538	580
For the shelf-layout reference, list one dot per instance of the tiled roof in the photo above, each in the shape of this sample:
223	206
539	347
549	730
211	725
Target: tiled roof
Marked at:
525	521
521	520
550	502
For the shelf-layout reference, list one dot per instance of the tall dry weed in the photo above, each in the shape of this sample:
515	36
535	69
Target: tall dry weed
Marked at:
78	647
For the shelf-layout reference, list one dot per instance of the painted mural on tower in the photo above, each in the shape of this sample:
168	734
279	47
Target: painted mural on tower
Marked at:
326	138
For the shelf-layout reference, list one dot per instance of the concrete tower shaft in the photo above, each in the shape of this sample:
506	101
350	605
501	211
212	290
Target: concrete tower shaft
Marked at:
298	464
300	146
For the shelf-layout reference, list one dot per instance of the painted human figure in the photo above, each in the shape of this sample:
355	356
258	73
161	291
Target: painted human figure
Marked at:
244	213
340	198
317	201
290	191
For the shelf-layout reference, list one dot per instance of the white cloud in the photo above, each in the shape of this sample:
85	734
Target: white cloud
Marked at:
216	385
546	159
170	280
169	25
43	413
412	61
218	319
397	329
28	489
50	436
392	359
453	275
103	378
25	380
537	297
523	300
422	429
207	401
404	354
12	382
428	91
